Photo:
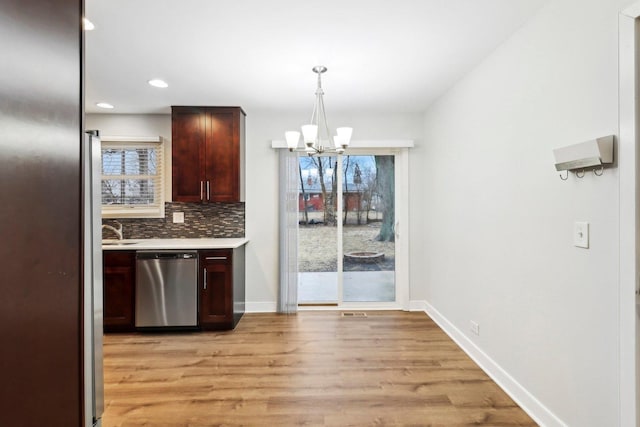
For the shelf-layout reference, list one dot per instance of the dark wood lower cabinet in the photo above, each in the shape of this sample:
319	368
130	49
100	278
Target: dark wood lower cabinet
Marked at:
216	289
221	295
221	288
119	290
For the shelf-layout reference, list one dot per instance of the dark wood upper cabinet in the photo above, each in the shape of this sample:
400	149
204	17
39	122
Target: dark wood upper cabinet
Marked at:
188	154
207	154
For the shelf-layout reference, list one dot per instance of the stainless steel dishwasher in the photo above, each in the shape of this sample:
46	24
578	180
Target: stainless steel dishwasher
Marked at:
166	289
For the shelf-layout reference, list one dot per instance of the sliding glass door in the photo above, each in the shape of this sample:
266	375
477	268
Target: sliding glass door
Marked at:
368	235
347	229
318	230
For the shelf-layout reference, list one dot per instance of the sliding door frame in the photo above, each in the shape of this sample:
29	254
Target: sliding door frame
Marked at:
401	239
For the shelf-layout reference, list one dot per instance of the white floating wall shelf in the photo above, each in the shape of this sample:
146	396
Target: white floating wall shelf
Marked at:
593	153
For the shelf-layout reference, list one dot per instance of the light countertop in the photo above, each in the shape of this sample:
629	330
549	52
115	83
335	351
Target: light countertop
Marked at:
145	244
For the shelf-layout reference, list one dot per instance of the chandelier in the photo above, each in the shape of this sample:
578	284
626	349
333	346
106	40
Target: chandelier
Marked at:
316	135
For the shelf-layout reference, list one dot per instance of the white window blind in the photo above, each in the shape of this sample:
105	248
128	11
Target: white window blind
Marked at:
132	178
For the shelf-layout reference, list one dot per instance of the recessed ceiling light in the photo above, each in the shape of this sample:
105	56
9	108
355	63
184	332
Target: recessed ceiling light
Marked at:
87	25
158	83
104	105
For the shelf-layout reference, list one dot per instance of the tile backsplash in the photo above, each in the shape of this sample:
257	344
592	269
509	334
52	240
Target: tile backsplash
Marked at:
200	220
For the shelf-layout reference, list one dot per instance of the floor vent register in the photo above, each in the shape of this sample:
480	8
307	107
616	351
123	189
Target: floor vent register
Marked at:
354	314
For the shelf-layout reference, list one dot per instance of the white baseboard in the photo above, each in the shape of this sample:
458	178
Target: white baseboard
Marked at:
272	307
260	307
532	406
418	305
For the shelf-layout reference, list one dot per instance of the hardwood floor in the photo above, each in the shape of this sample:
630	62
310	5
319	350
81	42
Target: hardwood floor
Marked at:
313	368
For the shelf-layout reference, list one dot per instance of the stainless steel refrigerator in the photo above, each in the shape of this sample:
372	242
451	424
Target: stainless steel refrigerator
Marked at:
93	296
42	357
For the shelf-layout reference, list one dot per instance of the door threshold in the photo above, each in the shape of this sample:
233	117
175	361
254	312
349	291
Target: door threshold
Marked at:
317	304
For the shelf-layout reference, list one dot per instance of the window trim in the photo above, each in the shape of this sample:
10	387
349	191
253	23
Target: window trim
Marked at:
111	211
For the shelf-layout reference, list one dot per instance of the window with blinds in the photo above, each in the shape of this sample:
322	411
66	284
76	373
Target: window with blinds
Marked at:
132	178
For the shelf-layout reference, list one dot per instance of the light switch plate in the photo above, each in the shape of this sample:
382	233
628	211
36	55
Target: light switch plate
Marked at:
581	234
178	217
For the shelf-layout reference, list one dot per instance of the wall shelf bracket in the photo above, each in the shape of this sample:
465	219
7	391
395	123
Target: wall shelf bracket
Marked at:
595	153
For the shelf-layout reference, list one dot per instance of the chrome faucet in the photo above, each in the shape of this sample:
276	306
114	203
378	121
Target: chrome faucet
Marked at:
117	231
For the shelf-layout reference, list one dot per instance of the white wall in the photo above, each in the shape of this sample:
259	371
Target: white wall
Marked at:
130	124
497	221
262	175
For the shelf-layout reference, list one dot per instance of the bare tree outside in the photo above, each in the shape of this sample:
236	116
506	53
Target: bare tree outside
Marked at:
129	176
386	190
370	188
359	184
318	182
305	197
326	173
346	165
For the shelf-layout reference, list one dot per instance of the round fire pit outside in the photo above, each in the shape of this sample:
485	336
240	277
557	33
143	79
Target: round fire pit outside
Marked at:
364	257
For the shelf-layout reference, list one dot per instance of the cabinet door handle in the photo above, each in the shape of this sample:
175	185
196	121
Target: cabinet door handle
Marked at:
208	191
204	278
201	190
216	257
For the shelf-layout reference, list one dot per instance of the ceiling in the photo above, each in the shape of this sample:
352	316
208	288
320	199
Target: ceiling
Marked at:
381	55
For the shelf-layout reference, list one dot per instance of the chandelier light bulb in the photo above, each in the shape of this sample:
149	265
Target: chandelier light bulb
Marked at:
310	134
292	138
345	135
